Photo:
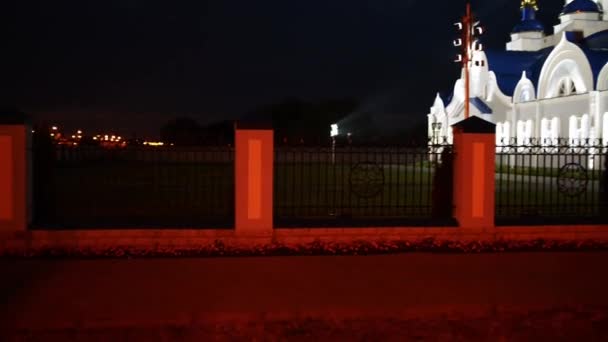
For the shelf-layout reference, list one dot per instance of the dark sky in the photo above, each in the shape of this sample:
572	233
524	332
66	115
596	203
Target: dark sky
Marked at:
130	65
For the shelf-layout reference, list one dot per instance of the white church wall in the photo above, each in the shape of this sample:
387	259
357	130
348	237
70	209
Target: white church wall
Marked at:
605	129
527	44
563	108
503	134
501	104
596	109
479	74
524	112
585	128
602	110
565	18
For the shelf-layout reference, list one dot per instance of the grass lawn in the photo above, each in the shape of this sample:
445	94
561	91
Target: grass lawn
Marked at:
139	193
540	192
202	194
321	190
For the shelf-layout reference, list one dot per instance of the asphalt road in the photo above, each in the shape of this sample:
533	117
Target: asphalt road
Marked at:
92	293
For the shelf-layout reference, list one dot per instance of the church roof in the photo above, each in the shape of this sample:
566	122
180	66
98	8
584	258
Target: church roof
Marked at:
597	41
529	25
480	105
597	60
581	6
446	97
509	65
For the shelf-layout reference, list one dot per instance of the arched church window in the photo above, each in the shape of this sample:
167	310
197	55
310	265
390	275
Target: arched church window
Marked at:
562	89
566	87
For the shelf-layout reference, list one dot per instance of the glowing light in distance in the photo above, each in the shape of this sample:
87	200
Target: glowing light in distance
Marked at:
334	130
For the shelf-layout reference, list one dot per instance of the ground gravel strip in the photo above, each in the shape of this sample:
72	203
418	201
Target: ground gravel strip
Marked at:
219	249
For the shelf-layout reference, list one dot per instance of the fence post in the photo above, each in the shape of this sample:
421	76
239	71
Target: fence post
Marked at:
15	183
254	163
474	172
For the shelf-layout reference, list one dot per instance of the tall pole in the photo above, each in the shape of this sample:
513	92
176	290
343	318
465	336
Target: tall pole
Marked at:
468	43
333	151
467	21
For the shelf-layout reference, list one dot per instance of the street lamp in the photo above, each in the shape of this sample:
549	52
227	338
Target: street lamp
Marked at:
334	130
333	133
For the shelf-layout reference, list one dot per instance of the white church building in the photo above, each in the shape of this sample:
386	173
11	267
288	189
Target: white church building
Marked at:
542	87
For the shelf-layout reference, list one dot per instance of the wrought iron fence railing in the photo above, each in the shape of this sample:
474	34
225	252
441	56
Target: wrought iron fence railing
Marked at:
90	186
361	186
551	180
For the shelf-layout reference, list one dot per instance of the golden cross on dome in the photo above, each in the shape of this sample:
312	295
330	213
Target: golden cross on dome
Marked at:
529	3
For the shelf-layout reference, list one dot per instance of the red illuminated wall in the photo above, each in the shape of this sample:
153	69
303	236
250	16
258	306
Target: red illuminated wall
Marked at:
13	177
254	181
474	168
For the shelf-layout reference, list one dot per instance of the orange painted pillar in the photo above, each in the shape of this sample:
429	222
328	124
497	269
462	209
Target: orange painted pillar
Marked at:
14	176
254	163
474	169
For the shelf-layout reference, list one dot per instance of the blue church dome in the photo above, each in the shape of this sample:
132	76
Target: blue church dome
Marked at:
581	6
528	21
528	26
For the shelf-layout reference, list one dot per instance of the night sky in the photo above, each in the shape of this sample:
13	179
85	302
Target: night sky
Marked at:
130	65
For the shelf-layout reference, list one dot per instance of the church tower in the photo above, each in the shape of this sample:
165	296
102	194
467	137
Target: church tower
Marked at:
582	17
529	33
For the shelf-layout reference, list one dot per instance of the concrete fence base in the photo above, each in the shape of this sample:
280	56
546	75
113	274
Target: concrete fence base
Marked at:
188	239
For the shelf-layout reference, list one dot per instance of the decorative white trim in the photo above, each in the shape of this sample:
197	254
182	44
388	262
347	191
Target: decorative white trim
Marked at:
566	58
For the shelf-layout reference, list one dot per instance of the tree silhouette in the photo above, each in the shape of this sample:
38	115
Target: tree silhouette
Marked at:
294	120
182	132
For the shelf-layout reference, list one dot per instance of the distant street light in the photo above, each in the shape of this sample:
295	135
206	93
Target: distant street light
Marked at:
333	133
334	130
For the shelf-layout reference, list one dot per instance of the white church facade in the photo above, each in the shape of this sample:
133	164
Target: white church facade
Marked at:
543	87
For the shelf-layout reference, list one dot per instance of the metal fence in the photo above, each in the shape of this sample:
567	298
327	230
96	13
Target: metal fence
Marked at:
90	187
551	181
363	186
